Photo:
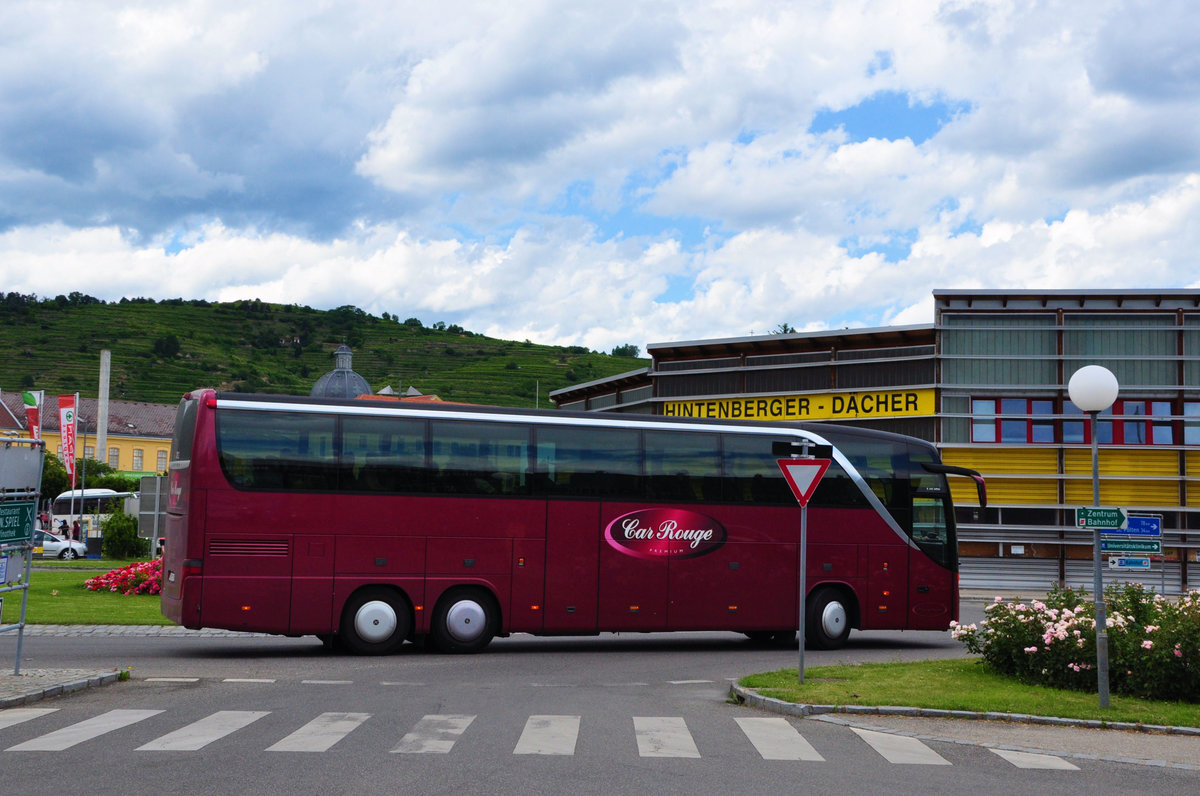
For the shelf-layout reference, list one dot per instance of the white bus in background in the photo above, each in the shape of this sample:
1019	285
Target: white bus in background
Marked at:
90	506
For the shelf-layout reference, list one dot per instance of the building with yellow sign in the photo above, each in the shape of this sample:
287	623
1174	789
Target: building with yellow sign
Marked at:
987	382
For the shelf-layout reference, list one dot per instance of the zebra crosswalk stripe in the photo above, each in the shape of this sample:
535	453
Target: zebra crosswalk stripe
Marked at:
321	733
664	736
434	734
548	735
200	734
14	716
83	731
777	739
901	749
1034	760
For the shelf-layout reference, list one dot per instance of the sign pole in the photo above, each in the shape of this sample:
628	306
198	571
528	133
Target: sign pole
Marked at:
1098	581
803	472
803	602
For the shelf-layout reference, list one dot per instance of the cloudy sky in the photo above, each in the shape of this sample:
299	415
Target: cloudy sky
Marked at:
599	173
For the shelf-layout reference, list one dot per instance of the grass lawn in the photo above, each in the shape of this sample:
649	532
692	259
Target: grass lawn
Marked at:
57	596
960	684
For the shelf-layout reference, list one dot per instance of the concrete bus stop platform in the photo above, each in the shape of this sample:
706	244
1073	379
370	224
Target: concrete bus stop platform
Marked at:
32	685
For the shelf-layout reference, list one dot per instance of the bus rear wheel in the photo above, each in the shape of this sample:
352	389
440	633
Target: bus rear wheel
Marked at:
464	621
374	622
827	625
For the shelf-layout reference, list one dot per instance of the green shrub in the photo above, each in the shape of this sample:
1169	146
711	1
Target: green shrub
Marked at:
121	538
1153	642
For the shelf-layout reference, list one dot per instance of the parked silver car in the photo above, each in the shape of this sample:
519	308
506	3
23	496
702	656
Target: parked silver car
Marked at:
57	547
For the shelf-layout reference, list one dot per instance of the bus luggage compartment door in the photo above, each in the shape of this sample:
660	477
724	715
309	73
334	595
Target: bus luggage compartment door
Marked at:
247	583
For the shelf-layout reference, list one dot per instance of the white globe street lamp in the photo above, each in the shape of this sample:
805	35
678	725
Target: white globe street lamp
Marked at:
1093	389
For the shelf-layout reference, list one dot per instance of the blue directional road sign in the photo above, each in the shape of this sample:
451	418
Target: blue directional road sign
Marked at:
1129	563
1139	526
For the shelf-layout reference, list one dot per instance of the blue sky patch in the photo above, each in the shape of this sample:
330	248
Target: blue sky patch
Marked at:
895	248
889	115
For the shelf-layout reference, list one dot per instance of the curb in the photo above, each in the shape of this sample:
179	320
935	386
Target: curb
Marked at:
746	696
15	690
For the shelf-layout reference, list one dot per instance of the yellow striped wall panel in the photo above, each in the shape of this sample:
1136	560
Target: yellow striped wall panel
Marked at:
1115	492
1008	491
1122	461
1034	461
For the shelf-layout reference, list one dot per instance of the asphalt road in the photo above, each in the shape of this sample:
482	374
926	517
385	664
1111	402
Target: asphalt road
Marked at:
627	714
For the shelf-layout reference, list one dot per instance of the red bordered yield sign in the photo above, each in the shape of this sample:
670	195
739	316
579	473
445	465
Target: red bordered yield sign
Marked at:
803	475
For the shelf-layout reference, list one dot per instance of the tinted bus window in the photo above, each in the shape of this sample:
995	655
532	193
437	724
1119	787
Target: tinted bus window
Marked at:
589	462
384	454
684	467
185	430
751	472
277	450
471	458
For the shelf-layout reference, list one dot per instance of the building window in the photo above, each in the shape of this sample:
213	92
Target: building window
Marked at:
1127	423
1032	421
162	462
1013	420
89	452
114	458
1191	422
137	459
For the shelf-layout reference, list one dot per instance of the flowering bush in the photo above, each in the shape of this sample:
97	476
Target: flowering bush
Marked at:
1153	642
140	577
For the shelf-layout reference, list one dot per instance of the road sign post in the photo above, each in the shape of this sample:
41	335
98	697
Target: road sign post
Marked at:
802	476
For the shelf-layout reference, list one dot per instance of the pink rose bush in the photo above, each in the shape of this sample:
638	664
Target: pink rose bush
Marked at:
140	577
1153	641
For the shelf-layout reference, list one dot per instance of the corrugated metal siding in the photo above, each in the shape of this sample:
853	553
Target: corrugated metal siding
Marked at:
1122	461
1039	461
1009	577
1117	492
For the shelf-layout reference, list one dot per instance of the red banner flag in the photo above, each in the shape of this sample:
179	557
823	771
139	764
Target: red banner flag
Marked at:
66	429
33	407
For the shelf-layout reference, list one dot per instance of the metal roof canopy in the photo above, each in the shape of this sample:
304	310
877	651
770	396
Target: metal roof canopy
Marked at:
1011	300
799	342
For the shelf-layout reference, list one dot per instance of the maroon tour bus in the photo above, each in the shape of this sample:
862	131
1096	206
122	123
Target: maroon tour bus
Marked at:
370	523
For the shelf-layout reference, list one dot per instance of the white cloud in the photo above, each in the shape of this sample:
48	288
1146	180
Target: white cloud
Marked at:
597	174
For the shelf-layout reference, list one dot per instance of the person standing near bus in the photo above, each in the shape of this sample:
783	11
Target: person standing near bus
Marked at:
75	530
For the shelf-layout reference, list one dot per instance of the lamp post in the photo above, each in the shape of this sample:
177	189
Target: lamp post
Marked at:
1093	389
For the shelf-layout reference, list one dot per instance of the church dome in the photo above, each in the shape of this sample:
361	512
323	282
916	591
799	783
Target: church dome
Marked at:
342	381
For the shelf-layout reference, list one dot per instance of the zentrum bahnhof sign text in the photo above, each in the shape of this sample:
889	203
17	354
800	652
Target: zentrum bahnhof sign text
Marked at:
817	406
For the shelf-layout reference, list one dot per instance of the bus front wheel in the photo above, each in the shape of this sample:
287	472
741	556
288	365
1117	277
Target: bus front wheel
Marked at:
464	621
374	622
827	625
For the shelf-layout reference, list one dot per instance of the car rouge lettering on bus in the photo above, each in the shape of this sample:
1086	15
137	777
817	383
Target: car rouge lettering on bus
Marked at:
657	533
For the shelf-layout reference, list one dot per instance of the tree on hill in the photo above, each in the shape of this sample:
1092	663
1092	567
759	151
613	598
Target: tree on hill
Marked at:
627	350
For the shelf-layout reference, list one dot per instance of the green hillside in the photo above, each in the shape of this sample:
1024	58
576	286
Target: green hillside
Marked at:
160	350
